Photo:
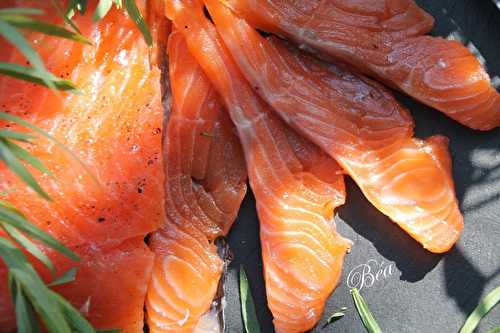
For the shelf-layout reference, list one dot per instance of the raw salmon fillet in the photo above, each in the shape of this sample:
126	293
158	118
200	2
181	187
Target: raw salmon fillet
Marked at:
205	185
296	186
384	39
114	126
357	122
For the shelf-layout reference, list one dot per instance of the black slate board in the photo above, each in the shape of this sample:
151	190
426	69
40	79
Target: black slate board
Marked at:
425	292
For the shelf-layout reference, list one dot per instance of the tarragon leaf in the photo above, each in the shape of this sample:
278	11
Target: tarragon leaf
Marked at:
22	122
12	161
11	34
137	17
31	74
102	9
367	318
26	319
27	157
29	246
21	11
247	305
481	310
68	276
19	136
16	219
24	22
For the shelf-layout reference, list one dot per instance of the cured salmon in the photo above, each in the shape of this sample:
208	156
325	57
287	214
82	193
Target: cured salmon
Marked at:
357	122
114	128
384	39
296	186
205	185
114	125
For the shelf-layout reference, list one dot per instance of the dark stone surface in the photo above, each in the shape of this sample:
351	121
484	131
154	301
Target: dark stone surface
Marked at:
425	292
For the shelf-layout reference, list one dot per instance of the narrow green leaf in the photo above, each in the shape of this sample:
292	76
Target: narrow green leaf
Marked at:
25	315
102	9
18	221
26	156
247	305
335	316
369	321
10	159
481	310
19	136
74	6
13	257
22	276
25	22
68	276
11	34
61	13
30	74
29	246
21	11
495	330
21	121
39	295
135	15
74	318
112	330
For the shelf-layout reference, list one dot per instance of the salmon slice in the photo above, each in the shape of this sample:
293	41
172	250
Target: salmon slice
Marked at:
205	185
357	122
384	39
296	186
114	126
109	287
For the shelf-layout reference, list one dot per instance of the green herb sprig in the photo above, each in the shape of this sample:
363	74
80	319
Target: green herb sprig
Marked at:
481	310
30	295
247	305
13	19
364	312
32	298
337	315
104	6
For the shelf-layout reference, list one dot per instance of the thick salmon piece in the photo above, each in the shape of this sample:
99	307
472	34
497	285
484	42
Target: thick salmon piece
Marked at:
384	39
205	185
296	186
357	122
114	126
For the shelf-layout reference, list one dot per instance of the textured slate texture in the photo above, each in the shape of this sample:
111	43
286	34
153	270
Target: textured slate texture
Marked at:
420	292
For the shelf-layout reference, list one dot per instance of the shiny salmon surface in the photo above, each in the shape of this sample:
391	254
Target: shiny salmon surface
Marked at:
205	185
114	125
296	186
357	122
384	39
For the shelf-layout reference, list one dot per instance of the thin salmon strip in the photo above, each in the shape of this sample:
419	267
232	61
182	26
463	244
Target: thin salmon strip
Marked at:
114	126
296	186
357	122
205	185
384	39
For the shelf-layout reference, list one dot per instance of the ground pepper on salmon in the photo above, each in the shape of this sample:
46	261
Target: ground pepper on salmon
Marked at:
114	125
